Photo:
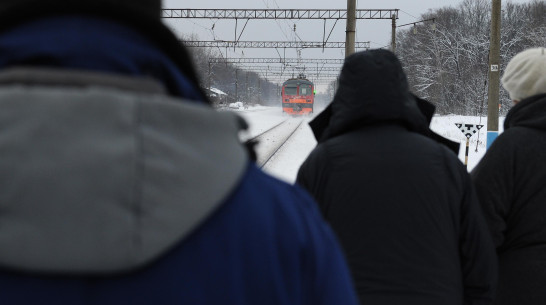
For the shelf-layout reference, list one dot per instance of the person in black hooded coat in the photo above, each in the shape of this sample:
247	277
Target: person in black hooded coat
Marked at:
400	201
510	181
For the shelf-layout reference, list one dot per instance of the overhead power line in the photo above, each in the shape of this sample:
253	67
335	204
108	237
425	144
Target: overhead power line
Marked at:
291	69
333	61
416	22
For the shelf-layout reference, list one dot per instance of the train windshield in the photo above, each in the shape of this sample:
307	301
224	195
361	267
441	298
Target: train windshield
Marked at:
290	90
306	90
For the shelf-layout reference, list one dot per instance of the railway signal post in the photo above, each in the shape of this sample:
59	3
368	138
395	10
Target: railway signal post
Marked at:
468	130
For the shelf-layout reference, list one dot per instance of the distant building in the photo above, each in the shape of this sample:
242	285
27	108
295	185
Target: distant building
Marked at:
218	97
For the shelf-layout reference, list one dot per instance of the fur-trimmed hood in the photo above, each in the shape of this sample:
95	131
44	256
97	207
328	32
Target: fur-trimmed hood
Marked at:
104	173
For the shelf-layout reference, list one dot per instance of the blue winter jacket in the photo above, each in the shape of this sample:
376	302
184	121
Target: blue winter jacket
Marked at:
115	193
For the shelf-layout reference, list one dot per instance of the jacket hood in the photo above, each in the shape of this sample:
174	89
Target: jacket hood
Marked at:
373	89
93	44
144	16
530	112
102	173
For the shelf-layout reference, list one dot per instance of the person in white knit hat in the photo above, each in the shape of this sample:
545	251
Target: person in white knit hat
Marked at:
525	74
511	183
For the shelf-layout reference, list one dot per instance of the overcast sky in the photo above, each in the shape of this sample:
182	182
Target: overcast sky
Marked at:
377	32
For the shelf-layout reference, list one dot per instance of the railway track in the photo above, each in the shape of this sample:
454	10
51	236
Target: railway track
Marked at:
259	136
270	141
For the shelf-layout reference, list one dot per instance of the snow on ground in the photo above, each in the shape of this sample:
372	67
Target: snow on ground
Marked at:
260	119
286	163
272	143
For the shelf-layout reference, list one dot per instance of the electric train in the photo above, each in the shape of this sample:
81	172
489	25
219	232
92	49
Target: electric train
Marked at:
298	96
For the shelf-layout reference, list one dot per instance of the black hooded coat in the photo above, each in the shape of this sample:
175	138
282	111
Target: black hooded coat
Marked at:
511	184
401	203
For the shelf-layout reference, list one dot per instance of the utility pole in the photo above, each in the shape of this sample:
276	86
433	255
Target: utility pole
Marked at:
236	86
351	28
259	91
494	74
393	34
209	76
246	87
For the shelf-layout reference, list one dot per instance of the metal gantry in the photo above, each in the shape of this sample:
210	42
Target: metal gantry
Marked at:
271	44
279	74
277	13
326	61
277	70
327	72
290	65
296	69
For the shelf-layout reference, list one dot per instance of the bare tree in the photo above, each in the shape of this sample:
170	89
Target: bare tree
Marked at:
448	65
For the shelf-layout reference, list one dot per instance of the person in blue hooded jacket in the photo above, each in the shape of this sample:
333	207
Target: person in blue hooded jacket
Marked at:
121	185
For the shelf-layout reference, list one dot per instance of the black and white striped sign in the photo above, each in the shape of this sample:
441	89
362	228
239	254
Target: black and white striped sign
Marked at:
468	129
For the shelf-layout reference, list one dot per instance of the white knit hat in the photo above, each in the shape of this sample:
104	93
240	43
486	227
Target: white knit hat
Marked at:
525	74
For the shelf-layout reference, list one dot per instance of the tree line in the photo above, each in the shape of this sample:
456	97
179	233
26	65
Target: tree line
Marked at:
239	84
448	63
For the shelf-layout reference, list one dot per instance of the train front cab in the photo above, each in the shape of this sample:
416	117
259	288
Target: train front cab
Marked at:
297	97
